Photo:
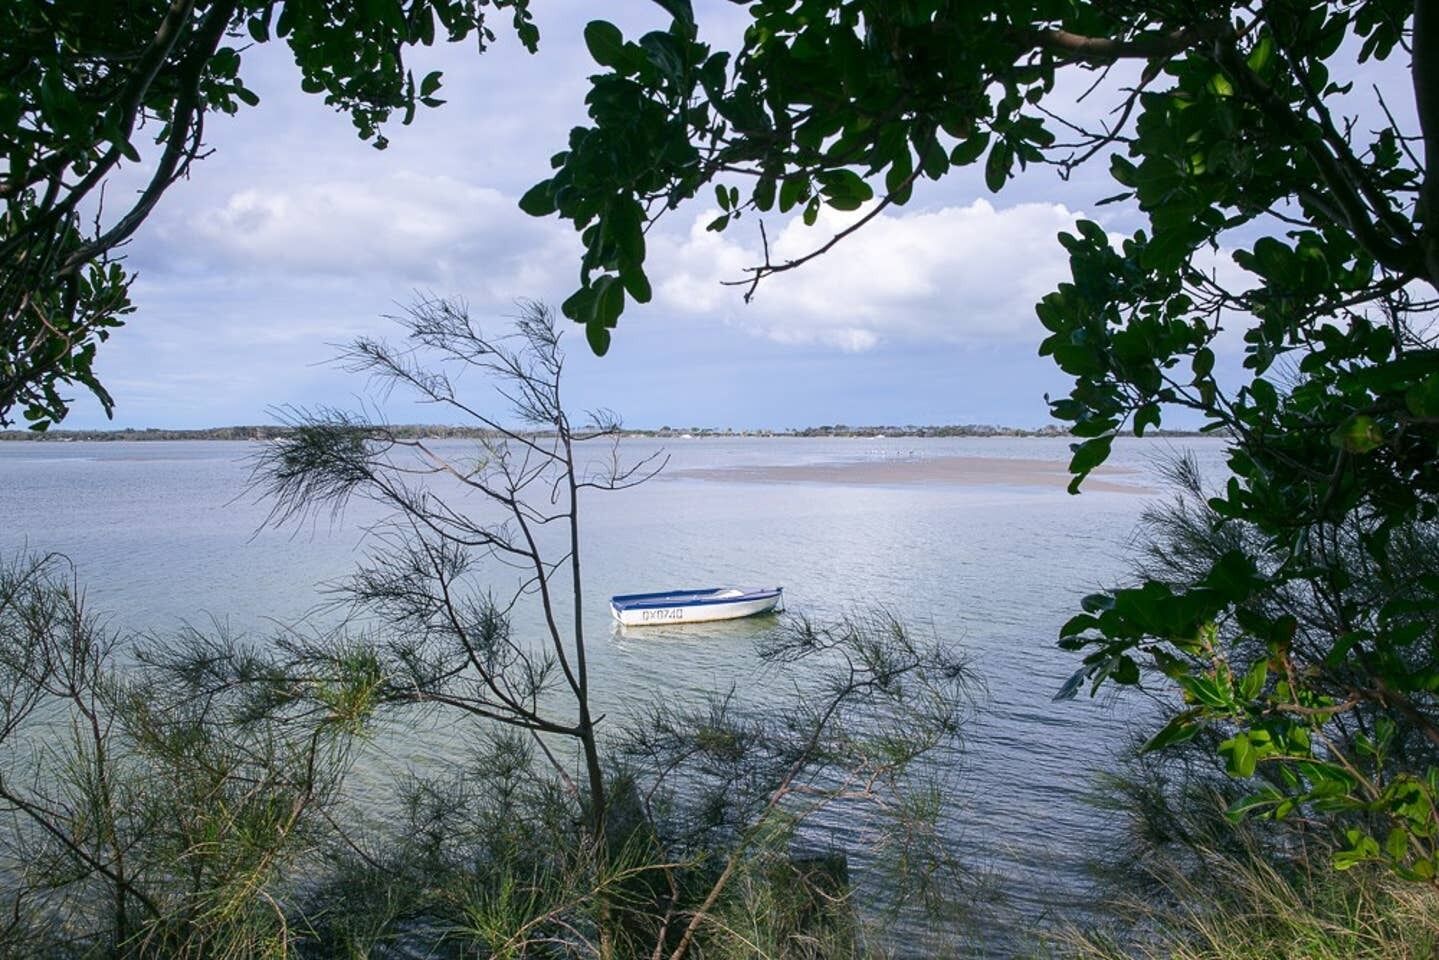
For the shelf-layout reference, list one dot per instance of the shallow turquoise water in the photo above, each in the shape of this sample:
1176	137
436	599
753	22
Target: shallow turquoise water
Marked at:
165	532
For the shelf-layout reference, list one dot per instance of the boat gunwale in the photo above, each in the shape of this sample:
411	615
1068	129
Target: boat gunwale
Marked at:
689	598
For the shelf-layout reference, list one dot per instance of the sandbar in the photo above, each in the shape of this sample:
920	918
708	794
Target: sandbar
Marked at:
955	470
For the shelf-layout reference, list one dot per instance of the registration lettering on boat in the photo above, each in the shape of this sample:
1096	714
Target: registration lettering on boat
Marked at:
670	613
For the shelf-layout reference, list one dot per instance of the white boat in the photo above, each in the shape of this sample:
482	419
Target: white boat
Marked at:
693	606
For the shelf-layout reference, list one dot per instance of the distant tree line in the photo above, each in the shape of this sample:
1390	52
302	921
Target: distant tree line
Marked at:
452	432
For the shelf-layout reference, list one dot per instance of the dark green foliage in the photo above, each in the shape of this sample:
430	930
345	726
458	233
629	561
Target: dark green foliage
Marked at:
84	78
824	100
1239	129
1282	691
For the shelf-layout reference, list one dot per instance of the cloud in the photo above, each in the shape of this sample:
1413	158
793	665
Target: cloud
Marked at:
296	236
407	227
953	275
244	291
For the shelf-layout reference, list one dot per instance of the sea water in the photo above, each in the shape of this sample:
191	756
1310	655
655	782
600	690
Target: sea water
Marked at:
165	533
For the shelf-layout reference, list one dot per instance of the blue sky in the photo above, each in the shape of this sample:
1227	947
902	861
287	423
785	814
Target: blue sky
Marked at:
295	237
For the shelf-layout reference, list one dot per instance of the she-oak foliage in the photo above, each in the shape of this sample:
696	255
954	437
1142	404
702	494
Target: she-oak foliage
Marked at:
1230	121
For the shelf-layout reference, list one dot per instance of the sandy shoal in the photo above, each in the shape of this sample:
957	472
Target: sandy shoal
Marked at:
961	471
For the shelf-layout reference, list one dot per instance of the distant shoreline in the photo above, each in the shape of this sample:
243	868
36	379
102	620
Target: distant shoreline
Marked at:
424	431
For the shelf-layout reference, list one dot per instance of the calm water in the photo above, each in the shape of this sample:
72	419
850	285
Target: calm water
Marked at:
164	532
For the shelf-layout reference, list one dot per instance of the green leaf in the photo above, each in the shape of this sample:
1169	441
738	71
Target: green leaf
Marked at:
637	285
1234	575
1263	53
1071	686
681	10
1203	363
1359	434
844	189
1181	727
1240	756
1396	845
598	336
579	306
539	200
1267	796
996	168
1264	394
764	193
1126	671
1087	456
1124	172
969	150
606	45
624	225
1423	399
791	193
1208	691
1146	416
1253	683
609	301
1362	848
665	52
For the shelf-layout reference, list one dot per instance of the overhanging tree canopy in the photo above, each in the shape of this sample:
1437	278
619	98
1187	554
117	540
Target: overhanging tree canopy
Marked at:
1236	121
84	84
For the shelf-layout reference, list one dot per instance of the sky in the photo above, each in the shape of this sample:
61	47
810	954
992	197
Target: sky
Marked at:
294	237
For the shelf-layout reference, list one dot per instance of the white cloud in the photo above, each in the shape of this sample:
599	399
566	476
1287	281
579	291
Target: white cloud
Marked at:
417	229
952	275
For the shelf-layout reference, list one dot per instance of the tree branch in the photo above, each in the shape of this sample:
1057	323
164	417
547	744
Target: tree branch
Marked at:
1425	73
1140	46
